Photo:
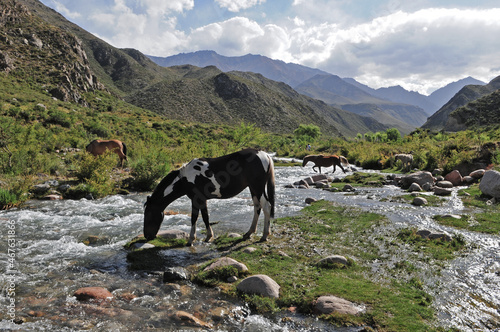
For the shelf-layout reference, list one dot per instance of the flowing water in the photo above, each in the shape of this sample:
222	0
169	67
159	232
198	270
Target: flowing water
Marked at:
47	262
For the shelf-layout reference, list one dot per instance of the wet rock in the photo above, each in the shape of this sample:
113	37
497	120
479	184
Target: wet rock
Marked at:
333	304
142	245
444	184
437	171
454	177
426	234
94	240
442	191
453	216
52	197
226	261
187	318
232	279
321	185
469	179
175	274
490	184
234	235
427	186
310	200
64	187
41	188
348	188
93	293
301	184
420	177
419	201
477	174
334	259
259	284
414	187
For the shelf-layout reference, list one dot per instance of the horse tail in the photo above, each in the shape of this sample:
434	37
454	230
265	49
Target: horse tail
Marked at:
271	186
124	150
344	161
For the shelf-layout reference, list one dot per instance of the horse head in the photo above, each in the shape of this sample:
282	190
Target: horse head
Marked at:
167	191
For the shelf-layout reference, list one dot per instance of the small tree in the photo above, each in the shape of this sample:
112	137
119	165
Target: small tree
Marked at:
311	131
393	134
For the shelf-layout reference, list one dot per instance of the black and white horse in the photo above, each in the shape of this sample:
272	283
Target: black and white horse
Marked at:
206	178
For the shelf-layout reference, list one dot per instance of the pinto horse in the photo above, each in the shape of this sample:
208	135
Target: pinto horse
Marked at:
98	147
325	161
206	178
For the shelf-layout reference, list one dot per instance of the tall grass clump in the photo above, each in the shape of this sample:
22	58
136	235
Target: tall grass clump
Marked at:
95	174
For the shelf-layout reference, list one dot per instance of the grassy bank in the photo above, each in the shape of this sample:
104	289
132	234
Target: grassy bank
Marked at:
393	294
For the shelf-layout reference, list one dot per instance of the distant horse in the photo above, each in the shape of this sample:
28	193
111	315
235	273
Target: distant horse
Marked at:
206	178
326	161
406	160
98	147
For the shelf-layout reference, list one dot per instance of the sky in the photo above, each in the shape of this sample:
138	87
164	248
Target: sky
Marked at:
421	45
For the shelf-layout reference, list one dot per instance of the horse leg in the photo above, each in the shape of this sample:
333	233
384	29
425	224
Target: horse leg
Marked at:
266	206
204	215
256	213
316	170
194	217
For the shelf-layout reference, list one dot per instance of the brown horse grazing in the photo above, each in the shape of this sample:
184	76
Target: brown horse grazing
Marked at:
326	161
98	147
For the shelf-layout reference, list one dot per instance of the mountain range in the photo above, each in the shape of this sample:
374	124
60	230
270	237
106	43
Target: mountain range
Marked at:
392	106
69	63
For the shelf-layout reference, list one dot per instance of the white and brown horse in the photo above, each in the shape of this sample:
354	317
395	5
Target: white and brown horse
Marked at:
326	161
406	160
98	147
206	178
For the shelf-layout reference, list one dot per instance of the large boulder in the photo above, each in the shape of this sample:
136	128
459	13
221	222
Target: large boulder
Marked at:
420	178
259	284
490	184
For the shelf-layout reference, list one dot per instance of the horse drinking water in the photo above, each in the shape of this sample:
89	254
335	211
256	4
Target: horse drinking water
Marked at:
325	161
206	178
98	147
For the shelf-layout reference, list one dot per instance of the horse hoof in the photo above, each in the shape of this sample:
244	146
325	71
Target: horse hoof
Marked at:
189	244
263	239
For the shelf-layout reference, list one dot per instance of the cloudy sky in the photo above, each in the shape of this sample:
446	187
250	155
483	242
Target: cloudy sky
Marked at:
421	45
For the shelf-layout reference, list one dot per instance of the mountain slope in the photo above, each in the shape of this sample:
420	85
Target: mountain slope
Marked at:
335	91
441	121
199	95
443	95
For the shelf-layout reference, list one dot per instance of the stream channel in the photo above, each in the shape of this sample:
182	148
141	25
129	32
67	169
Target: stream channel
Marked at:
50	262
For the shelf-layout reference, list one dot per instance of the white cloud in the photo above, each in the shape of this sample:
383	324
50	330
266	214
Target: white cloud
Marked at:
237	5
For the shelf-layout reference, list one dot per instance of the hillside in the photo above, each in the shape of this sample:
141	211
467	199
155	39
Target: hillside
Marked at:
176	92
441	121
335	91
443	95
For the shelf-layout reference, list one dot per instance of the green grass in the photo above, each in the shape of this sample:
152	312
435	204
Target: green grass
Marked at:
395	298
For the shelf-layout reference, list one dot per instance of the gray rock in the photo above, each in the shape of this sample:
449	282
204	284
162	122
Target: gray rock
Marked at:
334	259
138	245
420	177
414	187
419	201
442	191
226	261
348	188
444	184
310	200
173	234
477	174
331	304
259	284
174	274
490	184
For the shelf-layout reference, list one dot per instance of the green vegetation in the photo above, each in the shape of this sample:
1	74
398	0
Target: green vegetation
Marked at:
393	295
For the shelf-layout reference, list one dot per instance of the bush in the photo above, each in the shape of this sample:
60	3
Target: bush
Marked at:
96	172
